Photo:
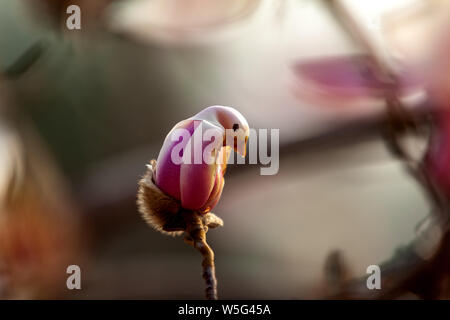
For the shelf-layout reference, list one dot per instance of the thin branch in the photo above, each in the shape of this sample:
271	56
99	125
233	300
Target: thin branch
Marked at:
196	237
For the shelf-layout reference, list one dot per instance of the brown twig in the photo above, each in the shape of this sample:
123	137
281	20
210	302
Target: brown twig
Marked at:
196	230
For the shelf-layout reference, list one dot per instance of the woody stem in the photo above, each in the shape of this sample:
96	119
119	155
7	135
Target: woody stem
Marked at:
196	234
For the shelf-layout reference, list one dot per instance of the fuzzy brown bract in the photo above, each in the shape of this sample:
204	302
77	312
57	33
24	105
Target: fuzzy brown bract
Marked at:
158	209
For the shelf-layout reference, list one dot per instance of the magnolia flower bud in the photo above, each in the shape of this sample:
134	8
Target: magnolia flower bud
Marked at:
202	145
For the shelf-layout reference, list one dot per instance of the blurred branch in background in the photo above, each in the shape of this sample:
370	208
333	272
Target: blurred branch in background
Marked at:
421	267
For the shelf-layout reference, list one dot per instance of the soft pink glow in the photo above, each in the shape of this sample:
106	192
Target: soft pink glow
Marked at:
346	79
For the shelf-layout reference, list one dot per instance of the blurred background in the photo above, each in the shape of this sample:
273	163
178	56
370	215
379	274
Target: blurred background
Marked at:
83	111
